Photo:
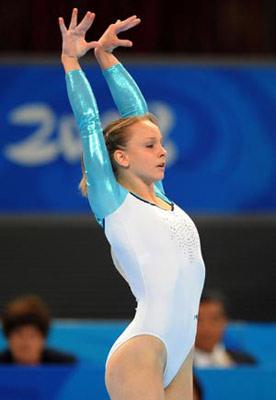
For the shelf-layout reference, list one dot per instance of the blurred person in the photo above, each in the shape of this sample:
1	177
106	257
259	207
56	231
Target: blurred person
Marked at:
154	244
26	323
210	350
197	389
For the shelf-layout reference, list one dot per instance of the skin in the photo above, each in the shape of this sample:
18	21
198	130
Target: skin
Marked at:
212	322
135	370
143	161
26	344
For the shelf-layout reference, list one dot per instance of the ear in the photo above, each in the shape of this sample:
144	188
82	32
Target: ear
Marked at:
121	158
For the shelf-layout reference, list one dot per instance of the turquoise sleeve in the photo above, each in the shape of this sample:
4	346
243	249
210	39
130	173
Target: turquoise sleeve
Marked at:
127	96
125	92
105	195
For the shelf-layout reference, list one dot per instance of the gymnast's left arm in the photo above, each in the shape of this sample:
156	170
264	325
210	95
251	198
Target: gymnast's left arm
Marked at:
125	92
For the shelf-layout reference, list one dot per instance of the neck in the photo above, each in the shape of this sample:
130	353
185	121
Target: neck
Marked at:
139	187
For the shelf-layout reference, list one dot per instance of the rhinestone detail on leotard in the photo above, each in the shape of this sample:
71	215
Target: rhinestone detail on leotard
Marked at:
183	231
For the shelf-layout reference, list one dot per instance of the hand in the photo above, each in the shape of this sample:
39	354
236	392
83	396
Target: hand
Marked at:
73	39
109	40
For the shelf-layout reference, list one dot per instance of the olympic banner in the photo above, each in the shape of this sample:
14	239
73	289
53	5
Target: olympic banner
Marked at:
219	125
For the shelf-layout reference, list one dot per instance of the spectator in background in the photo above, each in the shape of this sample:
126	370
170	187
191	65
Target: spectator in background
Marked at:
210	350
26	323
197	389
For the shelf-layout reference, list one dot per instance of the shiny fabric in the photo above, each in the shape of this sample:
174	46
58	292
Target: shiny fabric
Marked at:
128	99
125	92
105	194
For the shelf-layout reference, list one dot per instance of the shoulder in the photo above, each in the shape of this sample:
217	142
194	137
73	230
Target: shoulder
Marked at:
56	356
6	357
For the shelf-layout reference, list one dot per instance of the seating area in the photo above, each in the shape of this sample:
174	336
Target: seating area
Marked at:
90	342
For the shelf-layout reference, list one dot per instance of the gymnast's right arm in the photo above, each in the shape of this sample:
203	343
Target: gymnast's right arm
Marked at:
104	193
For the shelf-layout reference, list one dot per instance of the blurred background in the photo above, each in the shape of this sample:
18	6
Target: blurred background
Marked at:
218	27
208	71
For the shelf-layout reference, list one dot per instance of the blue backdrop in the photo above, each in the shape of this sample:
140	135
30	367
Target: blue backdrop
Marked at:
218	121
90	341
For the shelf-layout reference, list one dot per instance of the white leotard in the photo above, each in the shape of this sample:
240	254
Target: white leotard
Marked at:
158	252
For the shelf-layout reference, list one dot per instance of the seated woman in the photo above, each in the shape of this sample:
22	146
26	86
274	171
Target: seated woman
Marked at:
26	323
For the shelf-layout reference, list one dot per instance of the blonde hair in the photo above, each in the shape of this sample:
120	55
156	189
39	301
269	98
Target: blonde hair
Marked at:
116	137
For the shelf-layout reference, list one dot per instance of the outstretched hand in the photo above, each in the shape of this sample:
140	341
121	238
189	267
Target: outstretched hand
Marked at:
109	40
73	38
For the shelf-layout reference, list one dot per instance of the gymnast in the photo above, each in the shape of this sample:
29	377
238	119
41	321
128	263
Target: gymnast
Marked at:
154	243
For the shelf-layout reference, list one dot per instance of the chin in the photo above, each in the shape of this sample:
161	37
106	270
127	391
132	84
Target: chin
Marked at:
161	175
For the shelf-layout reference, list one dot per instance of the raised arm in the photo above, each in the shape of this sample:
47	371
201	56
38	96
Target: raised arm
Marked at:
125	92
104	193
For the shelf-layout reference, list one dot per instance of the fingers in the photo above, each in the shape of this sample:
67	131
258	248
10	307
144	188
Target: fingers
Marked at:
126	24
93	45
133	17
84	24
62	25
124	43
74	19
86	21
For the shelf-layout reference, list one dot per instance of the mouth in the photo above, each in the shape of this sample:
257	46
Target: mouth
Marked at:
162	165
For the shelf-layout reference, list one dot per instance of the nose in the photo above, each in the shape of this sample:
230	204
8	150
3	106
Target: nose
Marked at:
163	151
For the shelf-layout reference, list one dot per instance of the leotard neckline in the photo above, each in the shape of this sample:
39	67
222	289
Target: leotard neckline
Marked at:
153	204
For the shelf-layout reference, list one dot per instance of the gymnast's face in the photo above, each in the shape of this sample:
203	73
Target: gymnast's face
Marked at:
144	156
211	325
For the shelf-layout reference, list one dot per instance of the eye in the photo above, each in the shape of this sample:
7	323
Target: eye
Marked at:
149	145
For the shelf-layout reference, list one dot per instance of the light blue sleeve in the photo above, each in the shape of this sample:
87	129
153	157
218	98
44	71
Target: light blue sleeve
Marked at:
125	92
127	96
105	195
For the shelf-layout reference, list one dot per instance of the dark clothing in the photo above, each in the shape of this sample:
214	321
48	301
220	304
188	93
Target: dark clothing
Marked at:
49	356
240	357
223	357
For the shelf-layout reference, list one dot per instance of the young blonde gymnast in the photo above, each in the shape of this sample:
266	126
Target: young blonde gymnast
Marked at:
154	243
